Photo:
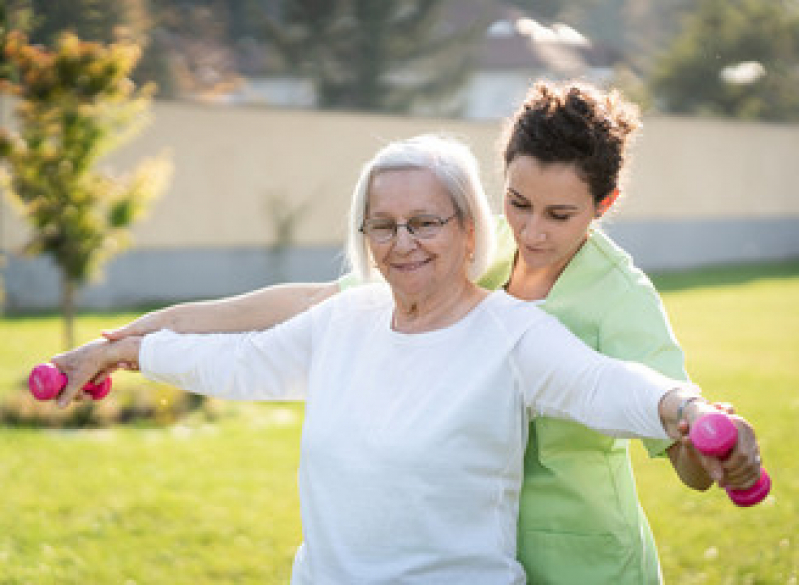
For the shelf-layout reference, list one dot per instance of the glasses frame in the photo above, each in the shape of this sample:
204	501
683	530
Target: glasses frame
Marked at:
364	229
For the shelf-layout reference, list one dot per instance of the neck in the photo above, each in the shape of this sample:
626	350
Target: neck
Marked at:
420	314
532	285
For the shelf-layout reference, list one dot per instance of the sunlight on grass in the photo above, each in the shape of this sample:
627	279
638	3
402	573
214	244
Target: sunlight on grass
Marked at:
202	502
742	345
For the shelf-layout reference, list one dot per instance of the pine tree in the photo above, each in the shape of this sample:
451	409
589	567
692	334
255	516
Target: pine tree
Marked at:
375	56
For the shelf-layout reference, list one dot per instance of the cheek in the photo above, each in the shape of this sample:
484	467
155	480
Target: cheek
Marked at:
571	235
514	217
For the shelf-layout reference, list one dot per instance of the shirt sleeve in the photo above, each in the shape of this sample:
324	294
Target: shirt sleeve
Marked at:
498	272
636	328
564	378
267	365
348	281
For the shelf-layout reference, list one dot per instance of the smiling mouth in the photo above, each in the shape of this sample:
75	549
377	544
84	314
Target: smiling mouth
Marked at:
410	266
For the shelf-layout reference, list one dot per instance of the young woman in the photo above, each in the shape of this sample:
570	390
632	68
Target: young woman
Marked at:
580	520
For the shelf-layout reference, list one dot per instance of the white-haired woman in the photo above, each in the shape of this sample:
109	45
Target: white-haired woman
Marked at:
418	389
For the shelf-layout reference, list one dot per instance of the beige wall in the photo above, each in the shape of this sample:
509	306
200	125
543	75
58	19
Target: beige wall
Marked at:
229	161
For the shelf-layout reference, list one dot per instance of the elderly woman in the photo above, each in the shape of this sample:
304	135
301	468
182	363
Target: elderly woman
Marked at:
418	389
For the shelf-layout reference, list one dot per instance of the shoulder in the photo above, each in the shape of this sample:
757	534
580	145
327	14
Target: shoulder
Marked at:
613	273
498	272
367	299
514	316
633	324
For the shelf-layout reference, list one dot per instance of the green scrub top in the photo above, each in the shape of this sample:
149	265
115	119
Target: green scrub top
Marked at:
580	521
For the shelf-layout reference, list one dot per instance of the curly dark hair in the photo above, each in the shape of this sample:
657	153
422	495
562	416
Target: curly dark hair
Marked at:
574	123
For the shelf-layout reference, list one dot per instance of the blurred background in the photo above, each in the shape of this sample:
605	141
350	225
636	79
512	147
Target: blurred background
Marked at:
267	108
155	151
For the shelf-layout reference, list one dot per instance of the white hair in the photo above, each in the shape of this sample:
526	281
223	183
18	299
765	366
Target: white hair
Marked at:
454	165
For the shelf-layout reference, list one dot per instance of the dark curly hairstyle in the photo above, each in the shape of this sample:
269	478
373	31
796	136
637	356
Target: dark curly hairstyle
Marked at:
574	123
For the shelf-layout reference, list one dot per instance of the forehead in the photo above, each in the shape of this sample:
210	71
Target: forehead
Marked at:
548	183
411	190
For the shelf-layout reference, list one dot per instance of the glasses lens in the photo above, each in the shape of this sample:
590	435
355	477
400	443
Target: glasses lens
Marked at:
380	231
424	226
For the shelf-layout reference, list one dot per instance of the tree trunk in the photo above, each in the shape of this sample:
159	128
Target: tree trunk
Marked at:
68	310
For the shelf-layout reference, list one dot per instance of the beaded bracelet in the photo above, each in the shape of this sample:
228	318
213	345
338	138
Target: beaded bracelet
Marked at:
684	404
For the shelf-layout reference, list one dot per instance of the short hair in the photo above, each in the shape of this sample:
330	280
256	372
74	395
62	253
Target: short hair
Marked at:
578	123
454	165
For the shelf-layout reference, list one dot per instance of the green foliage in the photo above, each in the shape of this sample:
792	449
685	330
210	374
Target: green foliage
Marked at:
721	34
376	56
75	104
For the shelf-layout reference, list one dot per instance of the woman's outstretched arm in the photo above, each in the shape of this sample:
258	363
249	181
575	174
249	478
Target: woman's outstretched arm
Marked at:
256	310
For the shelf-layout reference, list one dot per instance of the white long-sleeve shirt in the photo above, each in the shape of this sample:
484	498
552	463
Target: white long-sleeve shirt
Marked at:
412	447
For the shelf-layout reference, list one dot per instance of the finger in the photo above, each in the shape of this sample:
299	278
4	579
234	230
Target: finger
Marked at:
81	396
68	394
712	466
129	330
741	481
743	472
114	334
724	407
102	375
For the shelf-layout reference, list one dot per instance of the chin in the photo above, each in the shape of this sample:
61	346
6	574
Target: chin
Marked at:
537	260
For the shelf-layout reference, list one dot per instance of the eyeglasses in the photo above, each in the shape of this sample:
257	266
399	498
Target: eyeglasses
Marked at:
421	227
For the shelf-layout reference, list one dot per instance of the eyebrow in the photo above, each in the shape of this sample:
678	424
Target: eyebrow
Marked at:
562	206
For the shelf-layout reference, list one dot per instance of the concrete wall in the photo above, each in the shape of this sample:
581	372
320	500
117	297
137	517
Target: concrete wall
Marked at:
699	192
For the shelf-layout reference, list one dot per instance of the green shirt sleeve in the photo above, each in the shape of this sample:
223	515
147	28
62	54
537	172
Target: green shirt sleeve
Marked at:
637	329
498	272
348	280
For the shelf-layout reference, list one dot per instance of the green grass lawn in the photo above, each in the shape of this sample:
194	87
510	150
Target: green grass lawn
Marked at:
204	502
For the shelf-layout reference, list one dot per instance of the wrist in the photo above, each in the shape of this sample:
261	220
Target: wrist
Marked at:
695	409
126	350
680	403
687	409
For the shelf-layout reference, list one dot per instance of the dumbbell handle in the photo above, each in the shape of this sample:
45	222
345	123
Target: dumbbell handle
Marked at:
46	382
715	434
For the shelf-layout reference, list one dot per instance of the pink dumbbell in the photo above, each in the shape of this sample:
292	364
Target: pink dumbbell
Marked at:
715	434
46	382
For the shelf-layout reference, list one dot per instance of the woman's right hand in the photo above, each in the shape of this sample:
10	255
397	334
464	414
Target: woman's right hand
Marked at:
147	323
92	362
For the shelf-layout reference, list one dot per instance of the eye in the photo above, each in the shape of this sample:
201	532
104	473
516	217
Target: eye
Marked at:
424	221
559	216
518	202
379	228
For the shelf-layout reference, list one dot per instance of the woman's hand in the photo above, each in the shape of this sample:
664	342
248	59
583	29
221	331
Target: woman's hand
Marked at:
740	469
93	362
147	323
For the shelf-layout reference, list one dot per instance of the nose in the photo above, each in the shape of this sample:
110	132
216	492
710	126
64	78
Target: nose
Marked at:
533	231
404	241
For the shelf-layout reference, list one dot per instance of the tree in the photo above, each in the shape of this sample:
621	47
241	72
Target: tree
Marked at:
190	53
733	58
367	55
75	103
102	21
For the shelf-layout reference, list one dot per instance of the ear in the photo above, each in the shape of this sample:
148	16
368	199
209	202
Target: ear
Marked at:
605	204
470	239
